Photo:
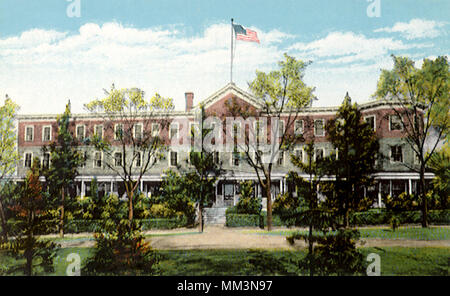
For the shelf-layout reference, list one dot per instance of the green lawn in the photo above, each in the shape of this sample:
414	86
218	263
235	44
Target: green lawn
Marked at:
414	233
394	261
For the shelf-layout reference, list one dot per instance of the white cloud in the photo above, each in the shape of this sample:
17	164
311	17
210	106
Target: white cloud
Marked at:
348	47
416	29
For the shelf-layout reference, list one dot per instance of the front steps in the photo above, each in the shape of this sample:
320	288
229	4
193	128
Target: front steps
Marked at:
214	216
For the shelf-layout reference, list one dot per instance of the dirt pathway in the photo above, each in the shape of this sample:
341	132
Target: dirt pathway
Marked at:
220	237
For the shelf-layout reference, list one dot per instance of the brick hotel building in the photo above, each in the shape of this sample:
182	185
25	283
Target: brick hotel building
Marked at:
392	176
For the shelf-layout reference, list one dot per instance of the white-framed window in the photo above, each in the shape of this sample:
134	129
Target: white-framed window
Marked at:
118	159
280	128
118	131
27	159
371	120
173	158
396	153
98	159
85	157
80	132
299	154
155	129
98	130
235	159
138	131
46	133
46	160
298	127
259	129
395	123
319	153
280	160
29	133
137	159
173	130
319	127
235	129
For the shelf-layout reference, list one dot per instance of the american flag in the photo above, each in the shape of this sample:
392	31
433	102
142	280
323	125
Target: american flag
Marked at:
245	34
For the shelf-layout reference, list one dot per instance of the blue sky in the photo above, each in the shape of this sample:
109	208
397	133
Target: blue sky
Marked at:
171	47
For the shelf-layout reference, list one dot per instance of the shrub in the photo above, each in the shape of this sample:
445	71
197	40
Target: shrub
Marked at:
248	202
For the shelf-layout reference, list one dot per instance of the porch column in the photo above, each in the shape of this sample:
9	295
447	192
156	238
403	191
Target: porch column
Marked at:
379	194
83	189
112	187
141	185
410	186
390	188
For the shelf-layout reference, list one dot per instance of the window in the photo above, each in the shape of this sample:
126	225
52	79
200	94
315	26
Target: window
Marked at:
236	130
371	121
98	131
319	154
235	158
216	157
259	131
298	127
46	160
173	160
97	159
319	127
46	133
155	129
299	154
118	131
137	159
118	159
396	153
80	132
137	131
280	157
29	133
28	159
84	154
173	132
280	128
395	123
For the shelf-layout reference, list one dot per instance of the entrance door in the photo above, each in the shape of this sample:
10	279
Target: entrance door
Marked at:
228	197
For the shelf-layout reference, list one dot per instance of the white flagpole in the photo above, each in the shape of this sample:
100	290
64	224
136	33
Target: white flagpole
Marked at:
231	64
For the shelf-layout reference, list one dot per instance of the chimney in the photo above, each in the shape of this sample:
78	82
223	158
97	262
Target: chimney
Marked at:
189	101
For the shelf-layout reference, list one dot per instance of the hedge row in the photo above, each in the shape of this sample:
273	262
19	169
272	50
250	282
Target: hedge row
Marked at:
77	226
372	217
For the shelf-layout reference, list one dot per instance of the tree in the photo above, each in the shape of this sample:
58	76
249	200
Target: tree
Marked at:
283	94
356	147
8	151
248	202
135	147
65	159
203	168
440	166
29	211
420	99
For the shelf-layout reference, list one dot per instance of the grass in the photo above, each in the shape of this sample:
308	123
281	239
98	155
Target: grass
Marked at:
412	233
395	261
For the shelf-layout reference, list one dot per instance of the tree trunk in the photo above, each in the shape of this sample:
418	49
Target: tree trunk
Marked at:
4	224
346	216
269	204
310	250
200	217
423	193
61	218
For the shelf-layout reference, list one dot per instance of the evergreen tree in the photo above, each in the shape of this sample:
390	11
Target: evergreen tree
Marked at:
65	159
29	208
353	163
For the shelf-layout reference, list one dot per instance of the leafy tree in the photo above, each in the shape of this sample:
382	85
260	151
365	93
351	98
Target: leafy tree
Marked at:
420	98
440	165
202	167
283	94
357	149
248	203
120	246
8	152
176	196
135	148
65	158
29	212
